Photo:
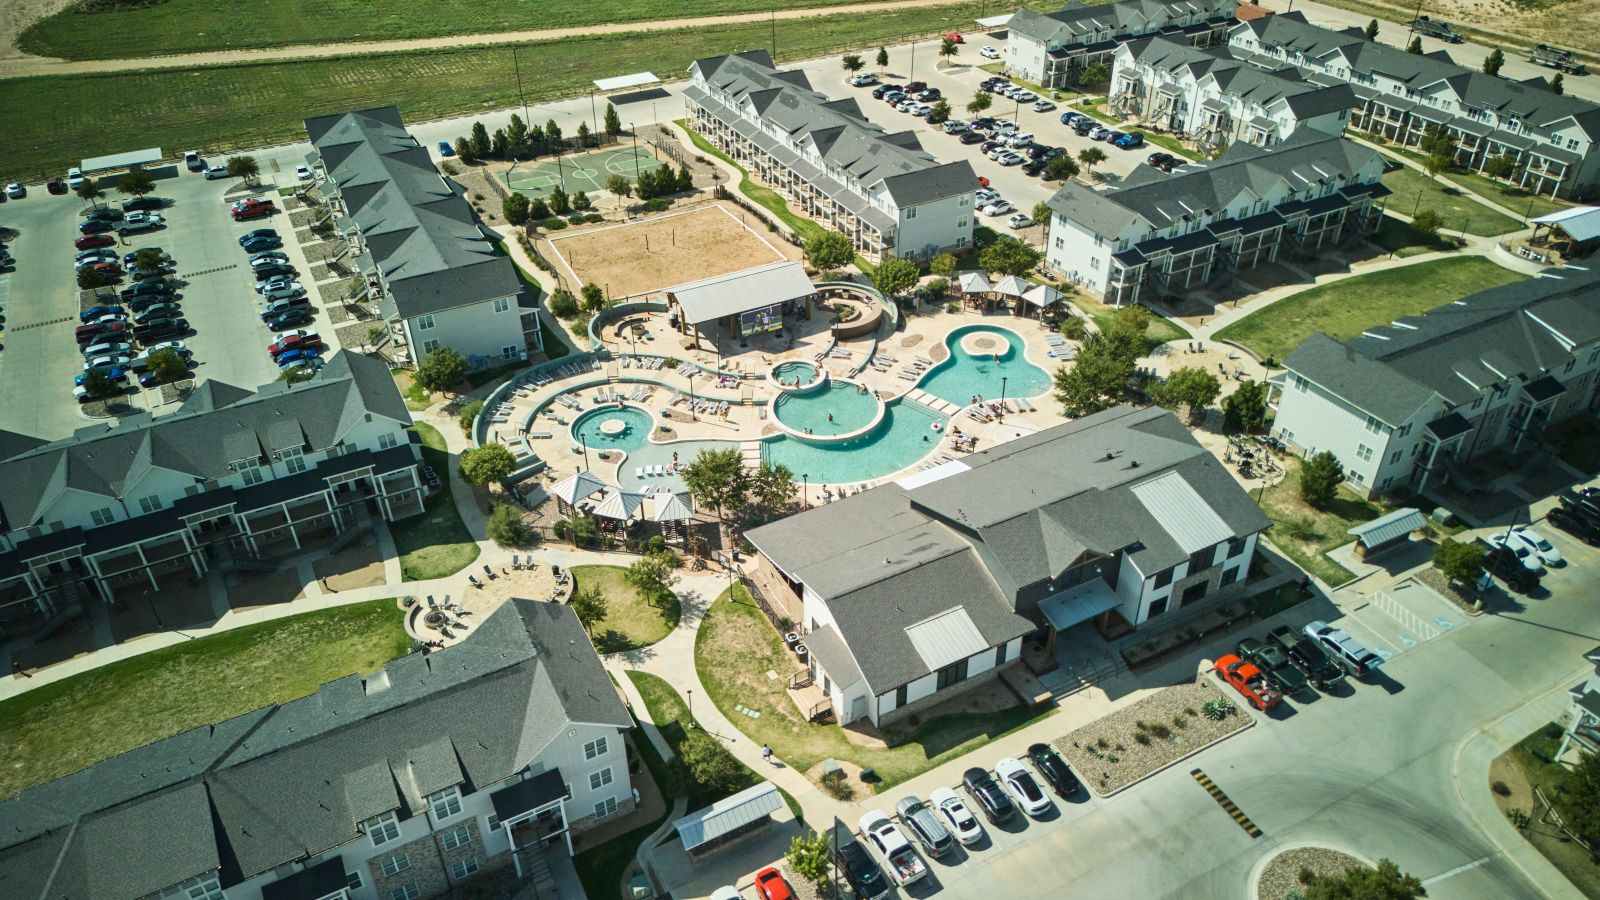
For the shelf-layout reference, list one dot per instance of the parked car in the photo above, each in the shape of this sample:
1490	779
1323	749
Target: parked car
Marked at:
104	212
216	172
284	291
96	226
1133	140
894	98
1344	649
56	185
268	255
147	287
445	149
129	258
1042	105
267	273
954	126
989	52
904	865
921	110
91	241
1524	552
1010	158
989	796
74	178
1585	502
971	137
302	173
985	196
883	90
955	38
1055	770
1033	168
142	360
294	318
193	161
100	330
1538	545
1069	118
1574	524
140	221
278	308
1509	568
1270	658
97	312
1019	140
930	832
998	208
295	341
1248	679
771	886
1084	127
955	816
149	378
1166	162
1112	136
1307	657
913	87
257	245
115	373
304	365
160	329
107	348
862	79
928	95
90	257
16	191
106	361
253	209
1098	132
1022	786
157	311
143	302
857	865
1019	220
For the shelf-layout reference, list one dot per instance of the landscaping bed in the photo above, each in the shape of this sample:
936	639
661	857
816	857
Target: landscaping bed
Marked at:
630	622
1109	754
1280	880
1165	644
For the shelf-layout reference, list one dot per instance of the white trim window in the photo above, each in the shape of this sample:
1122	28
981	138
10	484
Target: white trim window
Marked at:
387	440
150	504
294	459
596	747
445	803
382	829
425	323
465	866
102	516
249	471
501	304
406	891
509	351
395	863
599	779
430	345
459	836
605	807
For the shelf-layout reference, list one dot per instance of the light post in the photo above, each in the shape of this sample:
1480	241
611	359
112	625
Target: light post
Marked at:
1002	394
691	395
805	490
690	692
583	442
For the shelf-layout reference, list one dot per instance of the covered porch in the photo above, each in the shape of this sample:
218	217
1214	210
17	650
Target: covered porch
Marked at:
533	813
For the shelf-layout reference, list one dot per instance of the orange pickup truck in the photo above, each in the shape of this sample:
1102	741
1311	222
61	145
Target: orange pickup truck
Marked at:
1249	681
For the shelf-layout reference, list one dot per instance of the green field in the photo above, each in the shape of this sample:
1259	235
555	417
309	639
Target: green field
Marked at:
1414	192
217	108
436	542
1345	308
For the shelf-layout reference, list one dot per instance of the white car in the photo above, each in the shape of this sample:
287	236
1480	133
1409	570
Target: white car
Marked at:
1098	132
140	221
1024	95
74	178
1004	128
1020	220
956	816
1022	786
1539	545
283	291
954	126
902	861
1043	106
863	78
988	52
1523	550
216	172
1010	158
921	110
14	190
1019	140
999	208
994	152
105	361
986	196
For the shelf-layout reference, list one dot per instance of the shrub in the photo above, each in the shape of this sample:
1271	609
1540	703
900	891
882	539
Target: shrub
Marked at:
563	305
1320	478
1180	722
658	204
1142	738
838	787
1161	731
553	224
506	527
1074	328
1518	817
467	414
1501	788
1218	709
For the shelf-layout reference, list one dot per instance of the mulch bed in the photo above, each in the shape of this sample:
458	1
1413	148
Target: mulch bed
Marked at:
1281	878
1109	756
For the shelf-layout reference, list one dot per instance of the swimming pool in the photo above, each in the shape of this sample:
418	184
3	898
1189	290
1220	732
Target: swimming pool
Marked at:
795	372
661	455
635	433
836	408
966	374
904	436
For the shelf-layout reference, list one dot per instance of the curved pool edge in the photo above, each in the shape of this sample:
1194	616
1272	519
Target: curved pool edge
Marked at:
950	358
878	416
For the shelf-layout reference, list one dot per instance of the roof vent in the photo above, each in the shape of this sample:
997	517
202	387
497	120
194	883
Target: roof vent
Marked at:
1134	464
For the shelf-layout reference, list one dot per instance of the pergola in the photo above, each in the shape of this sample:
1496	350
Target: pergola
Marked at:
670	509
746	302
1012	286
1042	296
568	491
975	286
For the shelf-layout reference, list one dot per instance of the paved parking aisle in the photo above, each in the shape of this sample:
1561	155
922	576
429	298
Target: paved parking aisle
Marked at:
1402	617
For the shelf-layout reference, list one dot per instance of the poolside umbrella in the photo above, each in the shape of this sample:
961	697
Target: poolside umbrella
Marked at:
619	505
974	283
579	486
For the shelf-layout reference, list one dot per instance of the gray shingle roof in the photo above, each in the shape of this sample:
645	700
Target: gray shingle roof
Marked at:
217	426
1077	22
1251	83
282	783
422	233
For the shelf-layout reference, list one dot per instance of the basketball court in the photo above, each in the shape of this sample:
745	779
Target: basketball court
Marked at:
587	172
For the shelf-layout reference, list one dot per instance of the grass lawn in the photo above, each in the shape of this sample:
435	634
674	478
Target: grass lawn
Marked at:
1168	143
1414	192
735	648
1512	198
762	196
630	622
417	399
1095	109
436	542
1158	332
1276	600
671	715
86	115
1305	534
1402	240
1345	308
1578	441
69	724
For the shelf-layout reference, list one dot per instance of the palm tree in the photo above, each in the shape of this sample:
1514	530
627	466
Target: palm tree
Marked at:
1091	157
852	63
1041	215
89	191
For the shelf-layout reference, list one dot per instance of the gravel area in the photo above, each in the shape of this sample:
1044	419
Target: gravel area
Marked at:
1436	580
803	889
1280	880
1109	755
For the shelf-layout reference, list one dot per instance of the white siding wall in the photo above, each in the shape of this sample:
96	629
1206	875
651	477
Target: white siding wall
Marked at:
936	226
1025	56
475	330
926	686
1072	250
1314	420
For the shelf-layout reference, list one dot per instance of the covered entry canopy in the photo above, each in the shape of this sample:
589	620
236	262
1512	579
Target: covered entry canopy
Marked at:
729	817
990	23
1079	605
1388	529
121	160
637	79
760	288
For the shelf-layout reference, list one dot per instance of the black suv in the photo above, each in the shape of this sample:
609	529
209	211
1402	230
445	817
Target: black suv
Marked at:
988	794
138	203
865	878
1271	660
1504	564
1055	770
1309	658
880	90
1576	525
1584	501
160	329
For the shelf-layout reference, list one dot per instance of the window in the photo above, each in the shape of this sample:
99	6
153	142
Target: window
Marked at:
1201	559
494	822
1384	484
1192	593
353	881
102	516
900	696
596	747
600	779
429	346
465	866
501	304
1157	607
407	891
1477	403
382	829
446	803
605	807
149	504
955	673
963	201
1570	364
1000	654
1300	383
911	212
424	323
294	459
1363	452
459	836
396	862
1235	547
509	351
204	887
1395	457
249	471
1163	578
387	440
1229	576
1373	425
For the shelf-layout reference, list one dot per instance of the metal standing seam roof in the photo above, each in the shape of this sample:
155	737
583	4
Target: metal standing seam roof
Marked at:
636	79
737	292
1581	223
728	814
946	638
1079	605
1386	528
1182	512
121	160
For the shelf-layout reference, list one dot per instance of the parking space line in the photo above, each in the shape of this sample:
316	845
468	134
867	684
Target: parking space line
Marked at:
1407	619
192	275
1226	804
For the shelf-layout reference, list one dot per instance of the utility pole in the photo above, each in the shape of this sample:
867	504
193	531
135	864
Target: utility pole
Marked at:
520	96
774	21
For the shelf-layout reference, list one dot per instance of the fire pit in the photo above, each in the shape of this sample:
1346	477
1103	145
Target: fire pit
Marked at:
434	619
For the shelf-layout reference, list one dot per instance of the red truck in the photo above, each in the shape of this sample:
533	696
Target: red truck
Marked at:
1249	681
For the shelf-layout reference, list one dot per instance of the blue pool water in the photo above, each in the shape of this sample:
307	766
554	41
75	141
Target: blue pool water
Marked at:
963	375
636	435
661	455
848	408
897	442
786	373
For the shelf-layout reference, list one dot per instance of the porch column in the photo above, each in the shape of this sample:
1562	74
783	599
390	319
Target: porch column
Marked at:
93	565
144	562
566	829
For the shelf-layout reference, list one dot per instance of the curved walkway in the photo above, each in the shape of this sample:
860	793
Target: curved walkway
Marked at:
41	65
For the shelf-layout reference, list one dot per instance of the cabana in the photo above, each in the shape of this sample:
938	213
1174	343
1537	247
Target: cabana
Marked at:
751	301
568	491
1042	296
975	287
1012	286
620	505
670	509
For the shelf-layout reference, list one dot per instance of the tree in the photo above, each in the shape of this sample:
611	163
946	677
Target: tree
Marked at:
245	168
852	63
148	259
1415	47
515	209
1386	882
619	187
1320	478
584	138
1371	31
136	182
563	305
467	415
1246	408
517	137
89	279
1095	75
652	577
580	200
538	210
613	121
89	191
1500	167
464	151
829	251
948	48
593	297
940	113
1428	222
499	145
1558	84
1440	149
590	606
1493	62
491	462
1091	157
1579	804
711	766
296	374
1008	255
1127	329
1189	387
481	144
685	179
1041	215
883	58
506	527
934	289
1097	380
168	366
943	264
808	857
772	487
558	201
718	479
97	383
441	369
979	102
1461	563
1061	168
552	134
895	277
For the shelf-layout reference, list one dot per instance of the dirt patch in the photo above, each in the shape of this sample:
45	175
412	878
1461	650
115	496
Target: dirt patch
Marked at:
1110	753
248	591
357	566
17	15
663	251
1280	880
852	777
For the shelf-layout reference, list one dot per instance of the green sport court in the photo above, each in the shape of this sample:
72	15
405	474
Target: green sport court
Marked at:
587	173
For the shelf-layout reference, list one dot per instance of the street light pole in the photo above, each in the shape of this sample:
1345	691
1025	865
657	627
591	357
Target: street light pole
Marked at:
805	490
584	443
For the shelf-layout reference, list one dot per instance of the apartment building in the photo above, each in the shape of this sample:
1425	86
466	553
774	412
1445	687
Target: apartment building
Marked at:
1550	138
921	588
1155	235
1215	100
1401	404
1053	49
392	786
888	194
439	275
230	473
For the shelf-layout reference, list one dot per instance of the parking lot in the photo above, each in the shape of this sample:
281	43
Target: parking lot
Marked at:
215	290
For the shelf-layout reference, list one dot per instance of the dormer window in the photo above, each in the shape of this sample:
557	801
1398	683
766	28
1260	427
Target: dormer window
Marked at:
445	803
382	829
294	459
249	470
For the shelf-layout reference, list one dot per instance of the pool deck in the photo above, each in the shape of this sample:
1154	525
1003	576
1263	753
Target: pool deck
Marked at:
738	376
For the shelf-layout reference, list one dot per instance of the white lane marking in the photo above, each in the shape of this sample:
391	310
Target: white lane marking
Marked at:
1456	871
